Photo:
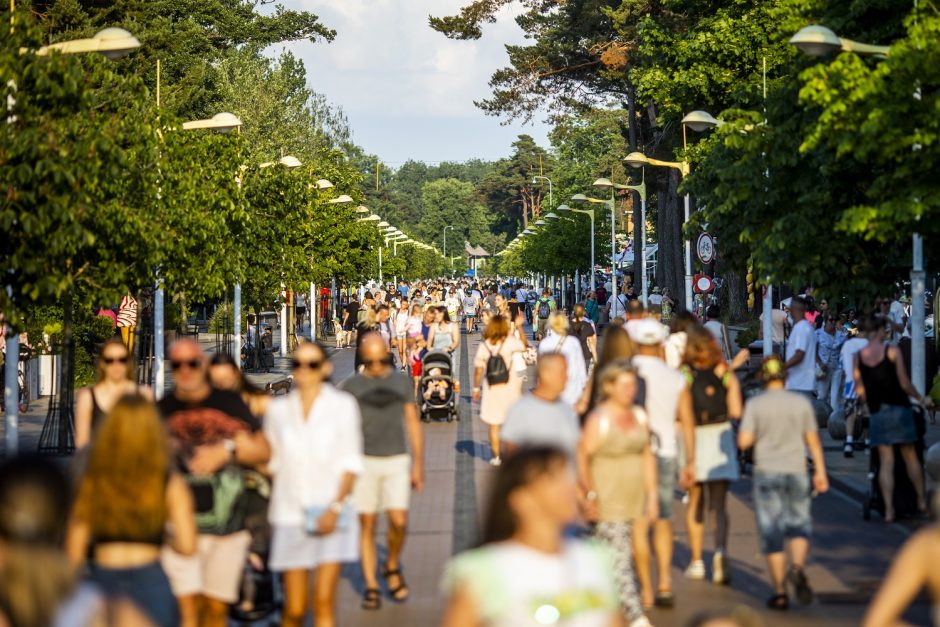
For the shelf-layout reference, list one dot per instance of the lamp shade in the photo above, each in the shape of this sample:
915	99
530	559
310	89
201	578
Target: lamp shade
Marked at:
115	43
324	184
383	224
220	122
700	121
361	209
341	200
603	183
540	222
636	160
563	208
551	216
576	198
290	162
816	40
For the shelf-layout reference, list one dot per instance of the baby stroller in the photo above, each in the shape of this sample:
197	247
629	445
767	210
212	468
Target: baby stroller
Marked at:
438	388
905	499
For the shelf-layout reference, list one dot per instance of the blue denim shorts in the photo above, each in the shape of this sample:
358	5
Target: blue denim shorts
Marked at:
782	506
667	469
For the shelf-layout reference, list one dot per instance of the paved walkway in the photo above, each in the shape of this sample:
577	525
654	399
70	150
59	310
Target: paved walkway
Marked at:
849	556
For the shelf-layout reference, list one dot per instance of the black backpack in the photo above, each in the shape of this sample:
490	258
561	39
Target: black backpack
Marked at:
496	371
545	310
709	396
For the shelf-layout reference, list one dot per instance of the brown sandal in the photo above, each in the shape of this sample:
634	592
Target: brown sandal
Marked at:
402	585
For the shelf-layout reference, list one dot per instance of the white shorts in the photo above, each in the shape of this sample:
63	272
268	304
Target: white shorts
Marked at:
214	571
385	484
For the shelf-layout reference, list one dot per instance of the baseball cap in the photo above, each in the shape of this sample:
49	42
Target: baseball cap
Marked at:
647	332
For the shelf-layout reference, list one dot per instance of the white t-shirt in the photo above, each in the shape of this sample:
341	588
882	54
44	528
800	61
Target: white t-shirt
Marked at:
618	306
664	385
850	348
513	585
577	369
896	316
802	377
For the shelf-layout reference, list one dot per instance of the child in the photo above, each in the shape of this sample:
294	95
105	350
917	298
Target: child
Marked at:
436	387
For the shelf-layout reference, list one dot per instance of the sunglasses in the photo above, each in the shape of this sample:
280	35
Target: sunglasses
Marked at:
311	365
376	362
114	360
192	364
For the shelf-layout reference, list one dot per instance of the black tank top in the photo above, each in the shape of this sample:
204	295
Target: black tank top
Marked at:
881	384
97	414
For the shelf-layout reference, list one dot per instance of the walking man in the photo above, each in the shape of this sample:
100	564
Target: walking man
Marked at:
214	433
801	352
779	423
544	308
668	403
470	305
542	418
390	425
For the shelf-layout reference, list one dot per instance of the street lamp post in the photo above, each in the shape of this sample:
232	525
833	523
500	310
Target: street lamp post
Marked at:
638	160
551	201
641	190
449	226
613	236
590	213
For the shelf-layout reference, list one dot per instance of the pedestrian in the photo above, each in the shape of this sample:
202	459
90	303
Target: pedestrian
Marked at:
390	427
829	340
38	585
583	328
617	307
544	307
316	442
470	306
351	315
668	403
215	438
678	338
882	384
779	326
855	410
913	569
801	352
591	308
444	334
562	342
452	303
716	401
401	333
780	424
224	374
668	305
527	572
128	497
717	328
115	377
541	417
656	297
496	388
617	477
616	345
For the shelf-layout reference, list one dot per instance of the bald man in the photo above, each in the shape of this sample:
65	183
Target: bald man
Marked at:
390	426
542	418
213	432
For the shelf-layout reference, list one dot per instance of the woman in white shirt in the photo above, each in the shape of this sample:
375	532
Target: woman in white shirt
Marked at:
316	453
527	573
559	341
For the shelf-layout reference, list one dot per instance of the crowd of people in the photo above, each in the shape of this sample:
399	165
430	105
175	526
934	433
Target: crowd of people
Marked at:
170	506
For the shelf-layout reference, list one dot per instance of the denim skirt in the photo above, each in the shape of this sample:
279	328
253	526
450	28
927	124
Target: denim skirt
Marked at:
892	424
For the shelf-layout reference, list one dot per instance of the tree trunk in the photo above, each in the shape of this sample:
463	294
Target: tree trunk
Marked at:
670	271
734	294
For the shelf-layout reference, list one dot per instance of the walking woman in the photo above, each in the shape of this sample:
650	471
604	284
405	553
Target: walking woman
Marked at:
583	329
496	391
316	442
224	374
444	334
617	477
127	499
591	308
527	573
560	341
881	382
716	401
615	345
114	378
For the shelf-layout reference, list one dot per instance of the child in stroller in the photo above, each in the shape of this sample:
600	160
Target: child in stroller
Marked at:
437	388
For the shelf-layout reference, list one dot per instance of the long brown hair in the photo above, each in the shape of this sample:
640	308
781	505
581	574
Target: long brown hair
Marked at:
100	365
701	349
616	345
497	329
123	492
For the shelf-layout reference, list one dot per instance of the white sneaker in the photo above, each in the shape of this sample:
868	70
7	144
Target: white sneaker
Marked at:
496	462
696	570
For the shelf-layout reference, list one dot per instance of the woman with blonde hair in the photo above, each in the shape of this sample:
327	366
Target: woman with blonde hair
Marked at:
115	378
562	342
496	388
716	401
128	499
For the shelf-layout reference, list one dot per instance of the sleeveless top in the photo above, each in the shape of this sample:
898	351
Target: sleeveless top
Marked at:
617	470
441	338
97	414
881	384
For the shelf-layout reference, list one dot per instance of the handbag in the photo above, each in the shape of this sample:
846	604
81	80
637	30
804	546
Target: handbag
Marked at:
313	513
218	500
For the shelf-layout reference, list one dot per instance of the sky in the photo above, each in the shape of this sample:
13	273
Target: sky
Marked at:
407	90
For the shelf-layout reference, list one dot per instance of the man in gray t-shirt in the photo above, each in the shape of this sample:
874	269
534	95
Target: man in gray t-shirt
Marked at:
389	418
542	418
778	424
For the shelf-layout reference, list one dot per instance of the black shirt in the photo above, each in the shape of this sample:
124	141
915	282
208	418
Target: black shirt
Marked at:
217	417
353	310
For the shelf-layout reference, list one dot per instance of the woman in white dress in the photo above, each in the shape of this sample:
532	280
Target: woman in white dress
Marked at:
316	444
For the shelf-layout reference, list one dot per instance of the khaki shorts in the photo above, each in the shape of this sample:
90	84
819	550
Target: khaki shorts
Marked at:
385	484
214	571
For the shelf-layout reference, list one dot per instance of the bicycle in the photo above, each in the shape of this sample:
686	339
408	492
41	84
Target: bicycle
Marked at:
22	380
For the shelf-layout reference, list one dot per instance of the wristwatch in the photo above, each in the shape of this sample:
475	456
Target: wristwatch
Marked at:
591	495
336	507
229	446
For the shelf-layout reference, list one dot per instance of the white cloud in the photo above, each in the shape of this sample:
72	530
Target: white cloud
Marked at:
388	68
